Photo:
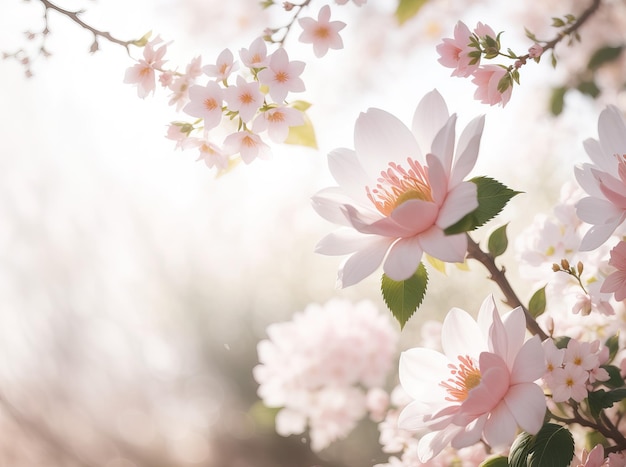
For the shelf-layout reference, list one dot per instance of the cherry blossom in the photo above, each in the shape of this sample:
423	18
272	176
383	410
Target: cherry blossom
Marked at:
569	382
210	153
487	78
481	387
206	102
282	76
393	207
224	66
454	53
180	84
277	122
323	33
247	144
245	98
256	55
604	180
616	281
142	74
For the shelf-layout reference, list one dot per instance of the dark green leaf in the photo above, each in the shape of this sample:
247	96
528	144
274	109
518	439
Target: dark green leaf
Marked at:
499	461
558	22
561	342
553	446
492	197
557	100
613	344
498	241
518	454
407	9
615	377
601	399
589	88
537	304
403	297
604	55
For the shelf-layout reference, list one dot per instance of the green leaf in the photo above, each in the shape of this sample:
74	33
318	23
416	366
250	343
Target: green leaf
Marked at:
498	241
604	55
589	88
303	135
537	304
553	446
407	9
520	449
300	105
499	461
557	100
492	197
602	399
613	344
615	377
404	297
143	40
561	342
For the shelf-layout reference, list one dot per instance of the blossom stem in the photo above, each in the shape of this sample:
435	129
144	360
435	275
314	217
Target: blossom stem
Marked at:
287	27
498	275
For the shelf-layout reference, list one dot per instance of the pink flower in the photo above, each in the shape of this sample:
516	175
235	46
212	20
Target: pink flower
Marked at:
535	51
245	98
481	387
282	76
180	85
224	66
142	74
323	33
569	382
604	180
594	458
210	153
487	78
616	281
256	55
206	102
454	53
277	122
393	207
247	144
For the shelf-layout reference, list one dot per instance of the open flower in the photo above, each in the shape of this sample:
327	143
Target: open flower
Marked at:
455	52
616	281
487	79
393	206
604	180
481	387
323	33
282	76
142	74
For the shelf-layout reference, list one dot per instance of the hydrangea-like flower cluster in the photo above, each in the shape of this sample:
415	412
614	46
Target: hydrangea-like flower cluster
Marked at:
318	366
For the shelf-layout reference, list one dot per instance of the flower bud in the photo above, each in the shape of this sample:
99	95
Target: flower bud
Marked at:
565	264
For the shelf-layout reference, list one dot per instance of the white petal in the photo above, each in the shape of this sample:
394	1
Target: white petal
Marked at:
460	335
329	203
420	372
500	428
430	116
597	210
606	162
443	144
461	200
433	443
530	362
347	171
471	434
598	234
380	138
363	263
467	149
342	242
515	325
586	180
447	248
527	404
485	315
612	131
403	258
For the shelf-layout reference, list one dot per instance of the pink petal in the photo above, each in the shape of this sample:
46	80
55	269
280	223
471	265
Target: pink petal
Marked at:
530	362
596	210
461	200
342	242
443	144
403	259
612	131
430	116
587	181
448	248
515	325
329	203
438	179
527	404
416	215
615	283
471	433
598	234
365	222
500	428
380	138
363	263
494	384
605	162
460	335
467	150
347	171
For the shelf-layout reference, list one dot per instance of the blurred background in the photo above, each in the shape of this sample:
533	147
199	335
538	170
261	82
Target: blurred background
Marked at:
135	285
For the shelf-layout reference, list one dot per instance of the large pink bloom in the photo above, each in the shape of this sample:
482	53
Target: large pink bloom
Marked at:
454	52
481	387
394	207
616	281
604	180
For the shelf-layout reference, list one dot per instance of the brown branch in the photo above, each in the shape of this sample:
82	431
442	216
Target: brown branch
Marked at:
499	277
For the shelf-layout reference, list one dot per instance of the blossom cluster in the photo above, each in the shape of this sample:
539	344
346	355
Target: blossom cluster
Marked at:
323	368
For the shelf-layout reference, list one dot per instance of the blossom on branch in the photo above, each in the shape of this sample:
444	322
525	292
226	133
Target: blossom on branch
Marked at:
142	74
455	52
282	76
489	80
393	206
323	33
482	387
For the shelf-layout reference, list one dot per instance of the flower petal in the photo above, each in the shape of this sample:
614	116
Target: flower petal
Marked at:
363	263
420	372
598	234
527	404
403	259
460	335
461	200
347	171
430	116
467	150
443	144
416	215
448	248
433	443
381	138
530	362
343	242
470	434
500	428
596	210
369	223
515	325
612	131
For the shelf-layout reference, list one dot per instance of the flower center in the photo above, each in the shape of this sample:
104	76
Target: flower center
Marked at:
397	185
322	32
465	377
281	77
210	103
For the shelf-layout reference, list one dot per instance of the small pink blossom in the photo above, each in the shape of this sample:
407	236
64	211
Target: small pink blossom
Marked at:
175	132
282	76
247	144
181	84
256	55
487	78
210	153
454	53
616	281
481	387
142	74
554	358
569	382
323	33
392	205
277	122
604	180
224	66
594	458
206	102
483	30
245	98
535	51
